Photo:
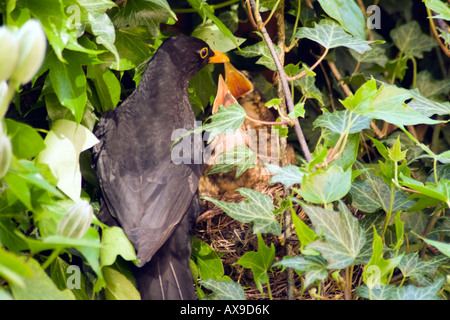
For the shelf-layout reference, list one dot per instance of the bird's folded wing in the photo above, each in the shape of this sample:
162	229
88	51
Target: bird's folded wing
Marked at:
148	203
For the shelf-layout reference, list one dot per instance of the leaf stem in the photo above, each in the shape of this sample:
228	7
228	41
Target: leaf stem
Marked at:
284	83
51	258
301	75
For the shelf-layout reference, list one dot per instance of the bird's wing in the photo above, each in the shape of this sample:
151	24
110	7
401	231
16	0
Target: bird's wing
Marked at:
147	201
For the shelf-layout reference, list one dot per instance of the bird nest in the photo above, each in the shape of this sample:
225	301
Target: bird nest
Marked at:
231	239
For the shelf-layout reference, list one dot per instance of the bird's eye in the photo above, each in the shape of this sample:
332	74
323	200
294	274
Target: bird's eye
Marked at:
204	53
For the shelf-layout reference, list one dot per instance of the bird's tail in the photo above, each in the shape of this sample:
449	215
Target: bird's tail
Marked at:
168	276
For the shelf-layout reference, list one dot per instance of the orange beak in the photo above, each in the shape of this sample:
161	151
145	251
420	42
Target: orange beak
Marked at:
223	96
236	81
218	57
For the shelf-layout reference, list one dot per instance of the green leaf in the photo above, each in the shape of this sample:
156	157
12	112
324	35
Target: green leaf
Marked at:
373	193
213	36
101	25
326	185
299	111
260	49
69	82
347	13
411	41
53	18
106	84
259	262
225	120
241	157
287	175
208	262
304	233
38	286
26	142
427	106
386	103
341	121
258	208
223	290
331	35
64	143
395	153
412	292
412	266
64	274
440	192
132	49
115	243
439	7
137	13
441	246
13	269
315	267
118	287
343	236
377	270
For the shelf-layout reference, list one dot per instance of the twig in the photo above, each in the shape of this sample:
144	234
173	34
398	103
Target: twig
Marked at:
301	75
284	82
433	28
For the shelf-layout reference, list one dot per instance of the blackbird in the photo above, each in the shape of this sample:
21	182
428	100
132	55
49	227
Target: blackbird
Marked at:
154	199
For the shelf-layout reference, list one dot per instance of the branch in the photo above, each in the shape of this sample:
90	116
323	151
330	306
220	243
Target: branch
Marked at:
284	82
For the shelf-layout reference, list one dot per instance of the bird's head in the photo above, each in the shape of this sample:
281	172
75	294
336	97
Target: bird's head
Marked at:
190	54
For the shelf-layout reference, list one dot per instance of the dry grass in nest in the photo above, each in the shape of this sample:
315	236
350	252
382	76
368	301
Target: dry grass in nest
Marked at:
231	239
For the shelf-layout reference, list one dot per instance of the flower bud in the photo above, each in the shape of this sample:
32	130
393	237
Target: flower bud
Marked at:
5	154
9	52
75	222
32	46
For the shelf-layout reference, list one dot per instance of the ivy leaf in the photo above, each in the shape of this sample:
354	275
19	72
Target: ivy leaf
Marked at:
287	175
409	292
441	246
386	103
331	35
439	7
410	39
343	236
412	292
377	270
260	49
225	120
347	13
223	290
325	185
212	35
299	111
259	262
373	193
341	121
258	208
427	106
241	157
412	266
314	267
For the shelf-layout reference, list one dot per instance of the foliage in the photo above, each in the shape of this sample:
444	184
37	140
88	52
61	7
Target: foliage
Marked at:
371	204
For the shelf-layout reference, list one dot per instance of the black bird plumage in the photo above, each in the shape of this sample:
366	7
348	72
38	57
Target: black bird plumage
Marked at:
153	199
